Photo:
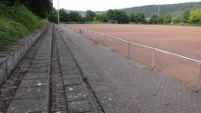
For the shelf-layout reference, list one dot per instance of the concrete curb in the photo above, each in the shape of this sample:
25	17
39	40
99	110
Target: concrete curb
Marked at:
10	61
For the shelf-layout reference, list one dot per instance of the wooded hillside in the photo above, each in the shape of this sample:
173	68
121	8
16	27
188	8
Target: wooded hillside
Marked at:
173	9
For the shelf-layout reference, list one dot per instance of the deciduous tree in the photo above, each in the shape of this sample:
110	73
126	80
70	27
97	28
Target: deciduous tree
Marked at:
137	17
52	17
101	17
90	15
195	17
153	19
176	19
75	16
185	15
64	16
118	15
160	19
167	18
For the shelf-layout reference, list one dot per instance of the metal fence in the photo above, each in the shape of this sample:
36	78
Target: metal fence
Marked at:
163	61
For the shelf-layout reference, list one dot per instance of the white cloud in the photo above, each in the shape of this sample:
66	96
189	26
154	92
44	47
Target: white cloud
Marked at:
100	5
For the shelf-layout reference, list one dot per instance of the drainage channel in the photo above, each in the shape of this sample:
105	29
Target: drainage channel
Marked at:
57	91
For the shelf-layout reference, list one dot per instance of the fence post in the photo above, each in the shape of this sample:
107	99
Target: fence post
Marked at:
199	79
97	37
83	30
153	59
87	34
129	44
114	44
104	40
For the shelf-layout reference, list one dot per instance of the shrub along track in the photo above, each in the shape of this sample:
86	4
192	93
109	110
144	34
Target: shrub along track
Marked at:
48	79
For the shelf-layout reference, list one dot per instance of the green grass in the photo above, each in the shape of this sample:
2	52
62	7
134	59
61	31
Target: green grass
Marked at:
11	31
16	23
85	76
23	70
22	15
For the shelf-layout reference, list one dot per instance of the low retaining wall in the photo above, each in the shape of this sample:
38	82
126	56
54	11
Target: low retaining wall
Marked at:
10	61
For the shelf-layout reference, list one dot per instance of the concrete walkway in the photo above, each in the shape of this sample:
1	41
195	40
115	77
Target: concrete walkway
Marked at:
139	88
32	93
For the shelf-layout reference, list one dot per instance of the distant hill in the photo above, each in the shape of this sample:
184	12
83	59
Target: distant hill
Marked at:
173	9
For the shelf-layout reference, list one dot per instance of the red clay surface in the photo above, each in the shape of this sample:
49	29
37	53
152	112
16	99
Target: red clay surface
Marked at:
181	40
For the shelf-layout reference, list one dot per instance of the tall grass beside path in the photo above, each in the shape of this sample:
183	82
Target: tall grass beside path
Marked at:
15	23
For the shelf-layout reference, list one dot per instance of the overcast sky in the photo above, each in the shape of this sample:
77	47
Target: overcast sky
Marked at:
102	5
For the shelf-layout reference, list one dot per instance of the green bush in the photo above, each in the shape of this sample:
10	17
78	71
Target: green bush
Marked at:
15	23
195	17
22	15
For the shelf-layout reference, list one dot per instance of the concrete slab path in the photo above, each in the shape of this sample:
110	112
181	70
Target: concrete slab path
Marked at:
139	88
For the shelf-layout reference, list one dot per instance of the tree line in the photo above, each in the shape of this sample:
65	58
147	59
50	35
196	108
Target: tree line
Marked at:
40	8
192	17
187	17
44	9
